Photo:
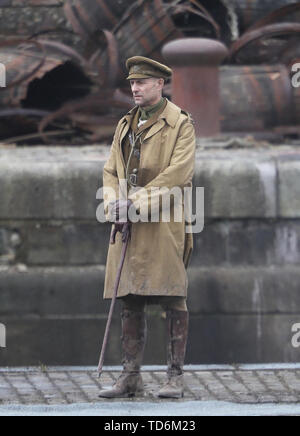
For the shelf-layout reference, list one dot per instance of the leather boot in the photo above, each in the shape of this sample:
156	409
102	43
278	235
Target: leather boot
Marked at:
130	382
178	322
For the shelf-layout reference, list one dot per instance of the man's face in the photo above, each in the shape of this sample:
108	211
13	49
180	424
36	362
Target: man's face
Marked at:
146	92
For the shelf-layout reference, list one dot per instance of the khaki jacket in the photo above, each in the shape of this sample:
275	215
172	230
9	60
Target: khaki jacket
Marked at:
158	252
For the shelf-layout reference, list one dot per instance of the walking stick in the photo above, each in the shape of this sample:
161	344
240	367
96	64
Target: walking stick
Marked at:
125	239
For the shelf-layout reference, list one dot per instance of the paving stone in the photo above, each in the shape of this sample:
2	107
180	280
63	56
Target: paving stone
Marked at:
55	386
292	380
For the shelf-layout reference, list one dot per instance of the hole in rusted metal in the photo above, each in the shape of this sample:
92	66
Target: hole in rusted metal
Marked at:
63	83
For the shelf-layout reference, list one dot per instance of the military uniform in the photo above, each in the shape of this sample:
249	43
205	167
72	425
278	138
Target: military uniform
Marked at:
158	253
142	120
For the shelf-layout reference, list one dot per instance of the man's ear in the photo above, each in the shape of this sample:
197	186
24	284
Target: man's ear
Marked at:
161	83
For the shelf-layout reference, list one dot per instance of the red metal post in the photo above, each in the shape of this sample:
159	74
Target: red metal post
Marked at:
195	84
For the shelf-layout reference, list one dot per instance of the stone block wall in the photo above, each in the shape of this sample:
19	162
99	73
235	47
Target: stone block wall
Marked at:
244	277
26	17
43	18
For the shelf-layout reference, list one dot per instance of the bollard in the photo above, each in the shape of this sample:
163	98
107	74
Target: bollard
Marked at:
195	83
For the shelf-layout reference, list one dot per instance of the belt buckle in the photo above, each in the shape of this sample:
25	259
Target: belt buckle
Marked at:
133	179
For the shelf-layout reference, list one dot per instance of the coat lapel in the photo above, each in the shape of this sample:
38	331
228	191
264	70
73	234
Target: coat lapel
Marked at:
170	115
124	132
155	129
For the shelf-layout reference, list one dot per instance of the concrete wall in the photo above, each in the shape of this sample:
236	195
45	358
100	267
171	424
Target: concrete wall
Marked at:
244	278
25	17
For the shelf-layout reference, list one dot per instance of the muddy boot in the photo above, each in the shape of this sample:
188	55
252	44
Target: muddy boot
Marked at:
178	322
130	382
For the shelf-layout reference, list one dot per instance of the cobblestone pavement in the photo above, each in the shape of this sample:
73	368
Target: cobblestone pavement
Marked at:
242	384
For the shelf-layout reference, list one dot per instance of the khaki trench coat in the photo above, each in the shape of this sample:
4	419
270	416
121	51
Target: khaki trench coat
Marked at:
158	252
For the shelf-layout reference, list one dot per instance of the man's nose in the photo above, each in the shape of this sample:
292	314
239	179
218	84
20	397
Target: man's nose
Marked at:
134	87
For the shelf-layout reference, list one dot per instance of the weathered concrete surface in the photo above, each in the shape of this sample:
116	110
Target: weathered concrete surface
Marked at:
26	17
126	409
239	314
49	190
243	279
54	242
239	187
209	390
289	194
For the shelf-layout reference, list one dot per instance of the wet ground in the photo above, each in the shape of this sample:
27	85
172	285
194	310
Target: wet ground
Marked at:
210	390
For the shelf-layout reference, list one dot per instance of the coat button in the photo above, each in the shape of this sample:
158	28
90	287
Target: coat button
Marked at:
137	154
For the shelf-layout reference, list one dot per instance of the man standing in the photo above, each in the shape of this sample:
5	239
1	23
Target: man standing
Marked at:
153	152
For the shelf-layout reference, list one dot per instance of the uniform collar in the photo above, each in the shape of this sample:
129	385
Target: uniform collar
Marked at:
148	112
171	114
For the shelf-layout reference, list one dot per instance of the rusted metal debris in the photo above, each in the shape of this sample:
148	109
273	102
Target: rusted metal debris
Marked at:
144	29
141	26
37	82
269	47
30	60
256	98
89	17
54	88
249	12
285	14
264	43
90	113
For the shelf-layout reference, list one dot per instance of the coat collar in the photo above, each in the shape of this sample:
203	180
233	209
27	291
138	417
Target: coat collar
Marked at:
170	114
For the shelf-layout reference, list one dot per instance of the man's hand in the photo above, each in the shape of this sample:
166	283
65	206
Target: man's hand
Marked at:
119	215
119	211
124	228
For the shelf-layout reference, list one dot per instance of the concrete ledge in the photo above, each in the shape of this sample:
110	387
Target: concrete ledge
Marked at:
63	243
160	368
49	190
52	291
244	290
62	340
218	339
84	242
289	188
247	242
259	183
237	187
238	338
57	317
77	291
